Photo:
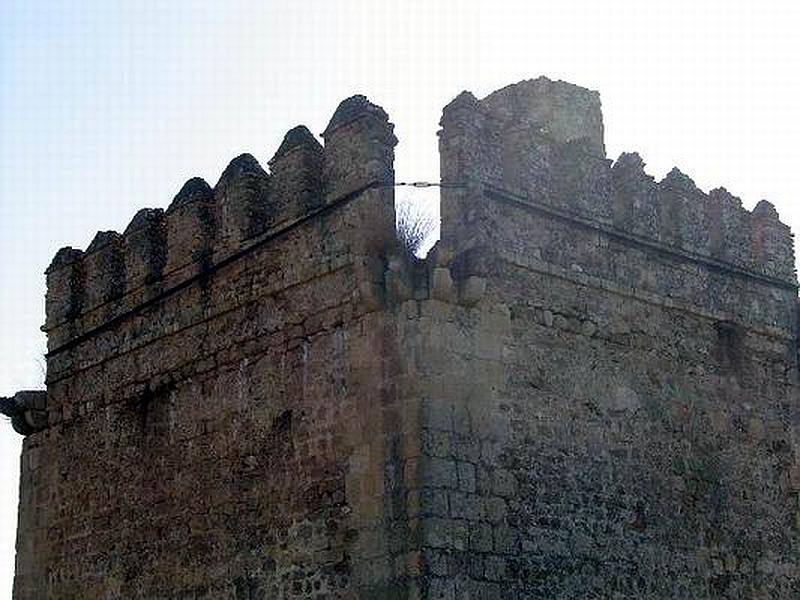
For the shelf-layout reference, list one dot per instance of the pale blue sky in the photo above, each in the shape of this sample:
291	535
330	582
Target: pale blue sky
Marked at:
108	106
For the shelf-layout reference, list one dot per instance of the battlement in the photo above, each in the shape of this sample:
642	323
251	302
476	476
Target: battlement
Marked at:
539	142
543	140
203	226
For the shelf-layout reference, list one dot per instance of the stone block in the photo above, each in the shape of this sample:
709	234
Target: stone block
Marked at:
466	476
434	502
442	589
438	533
481	537
439	472
437	414
466	506
496	509
504	483
471	290
442	287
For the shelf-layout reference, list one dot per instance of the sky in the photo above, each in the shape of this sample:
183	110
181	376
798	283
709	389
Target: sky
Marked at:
109	106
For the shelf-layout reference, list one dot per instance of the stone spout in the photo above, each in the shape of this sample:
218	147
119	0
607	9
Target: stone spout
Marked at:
27	411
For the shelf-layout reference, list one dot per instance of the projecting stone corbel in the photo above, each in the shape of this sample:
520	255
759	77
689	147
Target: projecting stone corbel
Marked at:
27	411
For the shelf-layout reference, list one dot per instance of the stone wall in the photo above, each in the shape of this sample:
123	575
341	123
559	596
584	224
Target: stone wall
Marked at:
221	423
586	390
625	422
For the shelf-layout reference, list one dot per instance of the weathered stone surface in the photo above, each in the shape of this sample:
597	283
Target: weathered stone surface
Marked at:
587	391
442	287
558	109
27	411
296	171
241	197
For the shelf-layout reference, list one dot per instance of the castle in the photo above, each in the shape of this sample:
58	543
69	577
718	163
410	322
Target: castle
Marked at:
587	389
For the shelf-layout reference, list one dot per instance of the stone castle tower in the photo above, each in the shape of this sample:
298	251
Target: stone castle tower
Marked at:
586	390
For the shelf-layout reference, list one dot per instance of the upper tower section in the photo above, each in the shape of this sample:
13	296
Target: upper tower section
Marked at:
540	143
556	109
205	229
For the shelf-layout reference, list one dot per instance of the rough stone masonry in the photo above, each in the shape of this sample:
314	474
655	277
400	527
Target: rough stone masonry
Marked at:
586	390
